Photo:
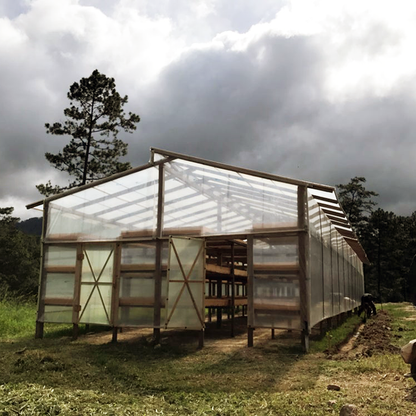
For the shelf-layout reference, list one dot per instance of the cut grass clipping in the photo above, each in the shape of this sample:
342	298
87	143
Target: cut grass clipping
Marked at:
92	376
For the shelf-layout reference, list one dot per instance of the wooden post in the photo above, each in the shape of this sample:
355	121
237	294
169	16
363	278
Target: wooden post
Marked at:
116	289
76	307
42	277
209	294
158	291
201	339
75	330
158	260
114	337
250	336
272	333
219	296
232	290
303	265
39	330
250	291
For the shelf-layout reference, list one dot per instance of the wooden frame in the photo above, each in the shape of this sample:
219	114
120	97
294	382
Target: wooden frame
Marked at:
229	257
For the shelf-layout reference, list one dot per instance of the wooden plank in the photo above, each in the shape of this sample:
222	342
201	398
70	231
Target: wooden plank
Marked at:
149	267
139	301
278	267
242	170
250	286
224	302
77	284
158	255
213	268
60	269
42	277
116	289
304	294
276	307
59	301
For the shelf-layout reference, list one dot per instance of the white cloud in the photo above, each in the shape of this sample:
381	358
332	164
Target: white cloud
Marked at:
314	89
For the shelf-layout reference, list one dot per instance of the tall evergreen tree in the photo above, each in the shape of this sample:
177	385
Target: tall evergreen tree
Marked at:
385	243
93	119
357	203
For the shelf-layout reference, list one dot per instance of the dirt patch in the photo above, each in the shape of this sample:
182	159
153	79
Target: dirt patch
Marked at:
215	338
373	337
376	335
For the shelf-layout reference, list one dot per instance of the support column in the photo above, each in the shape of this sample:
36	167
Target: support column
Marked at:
219	296
114	337
75	331
39	330
76	307
232	290
303	265
250	292
158	260
250	337
42	277
116	290
201	339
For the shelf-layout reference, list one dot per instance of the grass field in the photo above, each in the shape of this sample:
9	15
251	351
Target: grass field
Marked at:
134	377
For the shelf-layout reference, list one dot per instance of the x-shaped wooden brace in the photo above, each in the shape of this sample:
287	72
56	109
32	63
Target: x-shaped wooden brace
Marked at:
96	281
186	284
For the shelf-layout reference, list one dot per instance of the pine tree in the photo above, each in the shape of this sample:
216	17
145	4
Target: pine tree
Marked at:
357	203
93	119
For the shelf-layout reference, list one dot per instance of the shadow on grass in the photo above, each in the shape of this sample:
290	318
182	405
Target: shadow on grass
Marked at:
138	366
141	367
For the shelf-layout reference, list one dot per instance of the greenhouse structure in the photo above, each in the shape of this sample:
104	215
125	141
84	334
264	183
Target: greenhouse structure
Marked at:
183	240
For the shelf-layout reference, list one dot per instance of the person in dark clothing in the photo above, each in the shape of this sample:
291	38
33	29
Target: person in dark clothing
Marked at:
367	303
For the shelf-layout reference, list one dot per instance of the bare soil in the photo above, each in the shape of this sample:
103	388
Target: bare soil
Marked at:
372	337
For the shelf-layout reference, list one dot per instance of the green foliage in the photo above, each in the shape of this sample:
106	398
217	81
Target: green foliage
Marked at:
19	257
94	118
357	202
17	318
384	242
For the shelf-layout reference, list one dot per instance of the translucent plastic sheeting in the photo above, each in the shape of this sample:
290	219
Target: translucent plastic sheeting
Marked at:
336	276
60	255
57	314
276	283
137	284
96	284
60	285
107	210
186	283
221	201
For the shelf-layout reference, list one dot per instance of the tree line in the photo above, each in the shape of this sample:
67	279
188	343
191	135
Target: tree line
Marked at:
388	239
93	120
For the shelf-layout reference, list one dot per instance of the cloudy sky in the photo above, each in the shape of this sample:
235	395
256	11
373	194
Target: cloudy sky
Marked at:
316	90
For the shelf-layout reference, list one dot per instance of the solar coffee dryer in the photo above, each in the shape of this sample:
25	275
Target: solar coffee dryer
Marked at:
182	240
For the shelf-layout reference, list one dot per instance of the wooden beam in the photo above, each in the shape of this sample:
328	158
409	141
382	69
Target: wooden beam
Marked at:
59	301
267	307
242	170
60	269
303	265
42	277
